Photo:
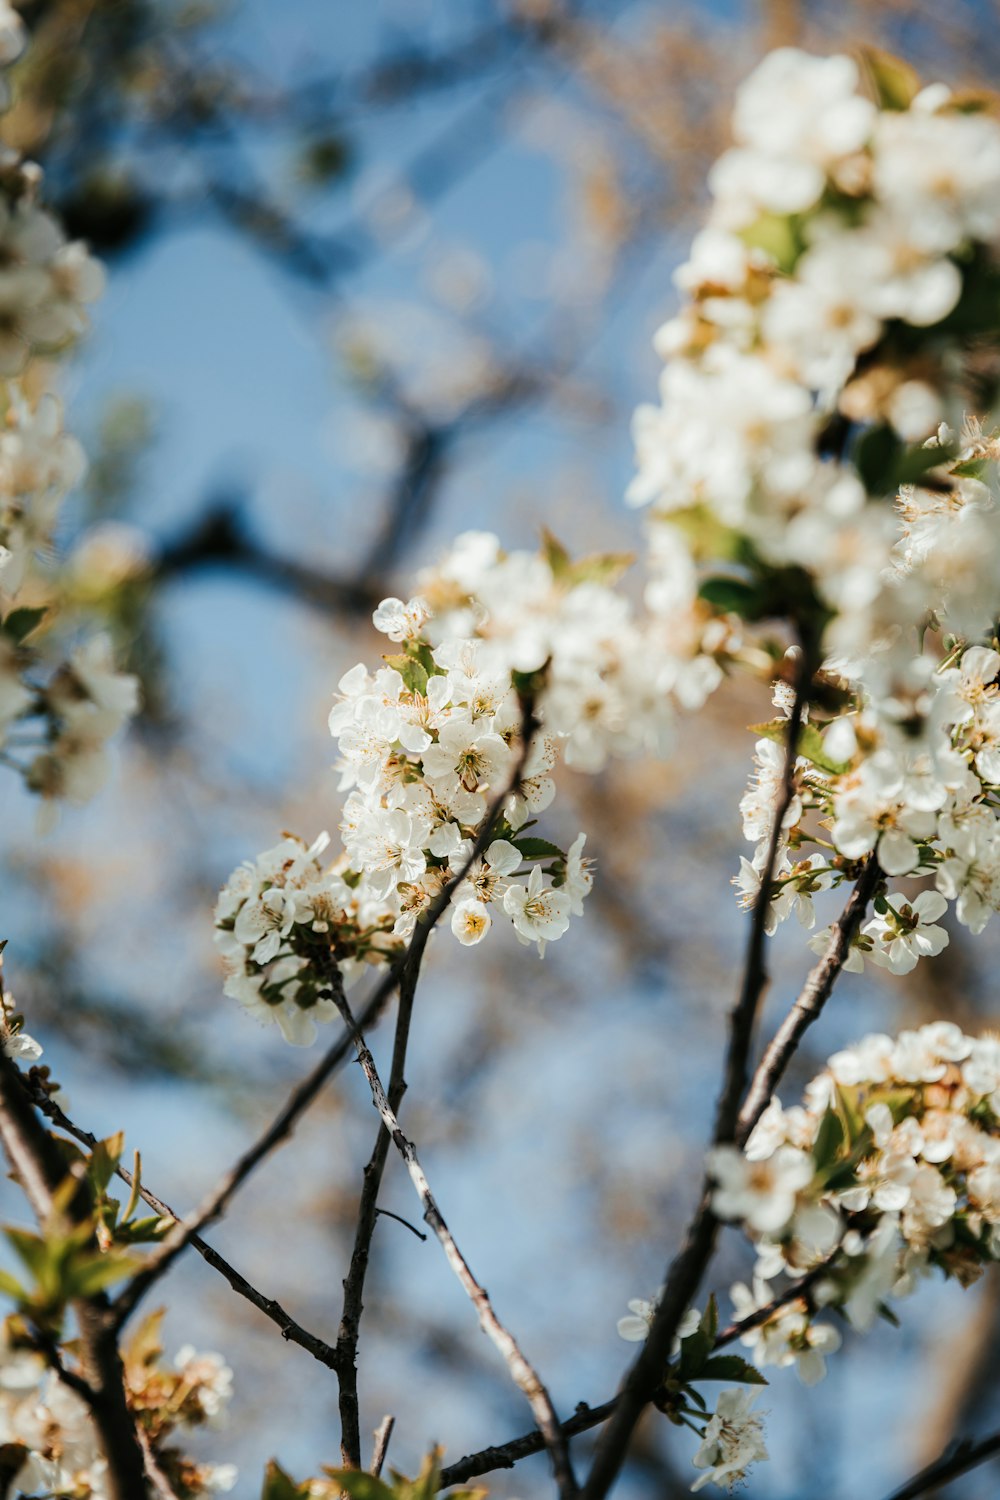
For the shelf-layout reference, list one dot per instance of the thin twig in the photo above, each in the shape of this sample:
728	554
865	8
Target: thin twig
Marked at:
522	1372
154	1473
47	1347
688	1266
958	1458
383	1433
387	1213
302	1096
814	995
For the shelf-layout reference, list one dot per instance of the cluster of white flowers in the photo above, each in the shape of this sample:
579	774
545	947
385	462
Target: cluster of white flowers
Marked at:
838	229
431	738
921	800
58	706
834	309
889	1169
427	744
51	1446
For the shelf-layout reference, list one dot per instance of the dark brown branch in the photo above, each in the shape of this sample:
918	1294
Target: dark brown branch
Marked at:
521	1371
814	995
956	1460
220	540
36	1162
506	1455
354	1282
687	1268
387	1213
302	1096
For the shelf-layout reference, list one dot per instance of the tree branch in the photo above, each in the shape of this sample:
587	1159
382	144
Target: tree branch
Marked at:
814	995
35	1160
957	1459
354	1283
522	1372
382	1434
687	1268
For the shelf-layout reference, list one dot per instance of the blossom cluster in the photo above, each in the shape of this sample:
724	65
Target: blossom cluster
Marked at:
497	647
889	1169
842	237
838	312
51	1446
61	698
922	801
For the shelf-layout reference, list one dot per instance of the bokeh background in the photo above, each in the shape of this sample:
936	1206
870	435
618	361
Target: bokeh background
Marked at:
380	273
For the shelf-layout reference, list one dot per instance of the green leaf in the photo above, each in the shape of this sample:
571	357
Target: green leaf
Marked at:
280	1486
697	1347
413	673
537	849
606	568
914	463
731	1367
894	82
136	1193
11	1287
30	1249
145	1346
884	463
356	1483
810	744
21	622
84	1277
603	567
779	236
104	1159
732	595
555	554
141	1231
972	468
848	1102
829	1140
876	454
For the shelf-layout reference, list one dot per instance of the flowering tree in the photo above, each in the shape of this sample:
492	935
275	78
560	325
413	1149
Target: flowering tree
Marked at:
820	517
